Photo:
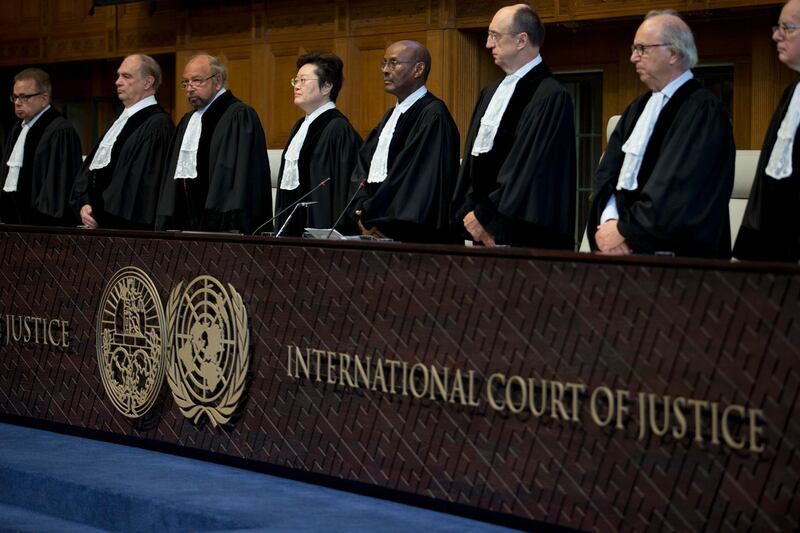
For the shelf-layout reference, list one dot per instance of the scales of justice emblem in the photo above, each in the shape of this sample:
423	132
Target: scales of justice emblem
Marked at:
208	353
130	342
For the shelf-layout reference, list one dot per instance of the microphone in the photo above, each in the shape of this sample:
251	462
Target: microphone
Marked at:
293	205
297	204
352	198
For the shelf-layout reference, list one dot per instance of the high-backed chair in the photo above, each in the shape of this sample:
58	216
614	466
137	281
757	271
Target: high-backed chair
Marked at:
746	162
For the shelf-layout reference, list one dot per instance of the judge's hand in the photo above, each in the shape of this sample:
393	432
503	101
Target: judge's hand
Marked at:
622	249
373	232
86	217
608	236
477	230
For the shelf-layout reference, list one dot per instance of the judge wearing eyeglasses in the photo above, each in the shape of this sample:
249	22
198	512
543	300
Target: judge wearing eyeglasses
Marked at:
770	228
322	145
664	182
409	162
517	182
217	176
42	154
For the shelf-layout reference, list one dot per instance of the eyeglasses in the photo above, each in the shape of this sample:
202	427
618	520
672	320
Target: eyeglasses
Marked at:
301	81
392	63
641	49
23	97
495	36
195	83
785	29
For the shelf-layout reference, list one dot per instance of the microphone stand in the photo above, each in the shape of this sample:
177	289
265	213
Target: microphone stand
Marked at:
360	186
292	205
299	204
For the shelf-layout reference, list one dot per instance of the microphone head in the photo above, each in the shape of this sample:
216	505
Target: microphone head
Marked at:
307	204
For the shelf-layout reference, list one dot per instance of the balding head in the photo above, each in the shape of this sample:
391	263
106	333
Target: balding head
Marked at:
203	77
406	65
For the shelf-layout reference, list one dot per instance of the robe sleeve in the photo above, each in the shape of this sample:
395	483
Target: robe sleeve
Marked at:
165	210
683	206
336	160
58	160
240	191
134	188
536	182
415	198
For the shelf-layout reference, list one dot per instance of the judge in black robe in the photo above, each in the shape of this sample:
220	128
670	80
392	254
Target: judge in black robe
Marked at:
124	194
680	205
232	189
52	157
330	150
770	229
412	203
521	191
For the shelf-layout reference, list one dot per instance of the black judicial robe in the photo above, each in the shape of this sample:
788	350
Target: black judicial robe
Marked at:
771	224
684	183
232	190
51	158
412	203
329	151
124	194
523	189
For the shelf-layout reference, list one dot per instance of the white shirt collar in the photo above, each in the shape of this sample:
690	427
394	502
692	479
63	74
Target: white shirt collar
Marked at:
403	106
32	121
676	84
141	104
527	67
320	110
219	93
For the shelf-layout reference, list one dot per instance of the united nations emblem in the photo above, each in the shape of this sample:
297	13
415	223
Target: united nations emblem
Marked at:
208	352
130	342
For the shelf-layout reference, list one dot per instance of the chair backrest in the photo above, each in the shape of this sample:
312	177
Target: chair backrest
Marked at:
746	162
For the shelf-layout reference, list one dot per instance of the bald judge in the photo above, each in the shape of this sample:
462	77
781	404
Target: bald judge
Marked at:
408	163
517	182
217	175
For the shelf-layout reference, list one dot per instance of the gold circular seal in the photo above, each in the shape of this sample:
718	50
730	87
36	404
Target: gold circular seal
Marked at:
130	342
208	352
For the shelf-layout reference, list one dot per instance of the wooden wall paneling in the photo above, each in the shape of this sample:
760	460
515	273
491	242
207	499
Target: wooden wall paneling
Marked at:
230	25
463	73
598	9
369	17
71	34
181	103
479	14
149	27
20	18
346	102
284	21
722	4
612	104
